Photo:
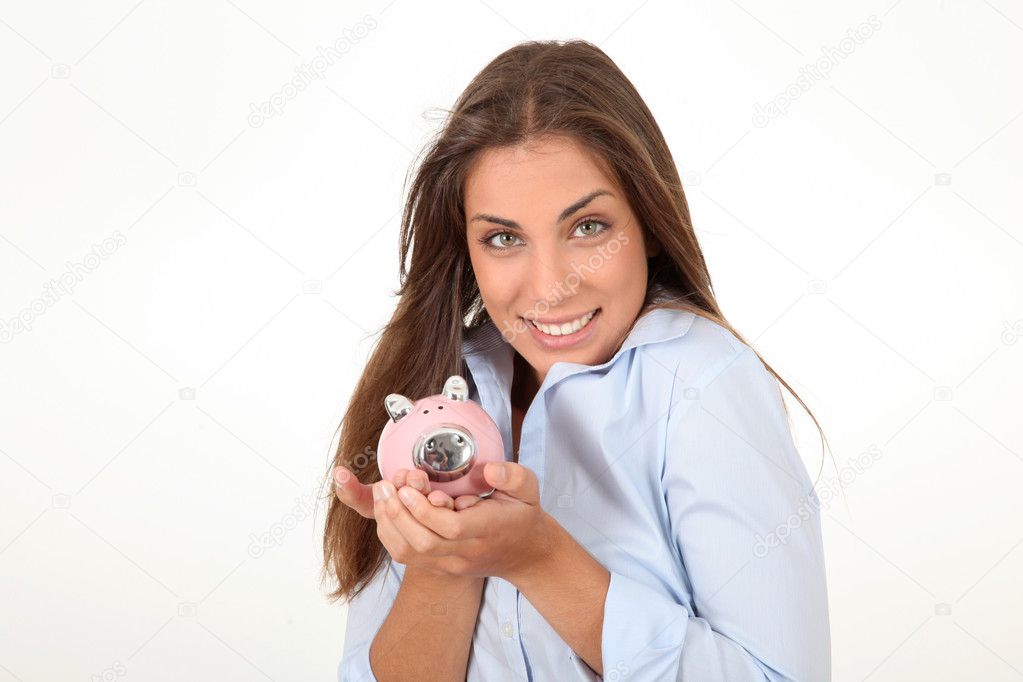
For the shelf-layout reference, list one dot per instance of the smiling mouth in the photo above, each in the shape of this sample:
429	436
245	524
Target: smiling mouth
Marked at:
566	328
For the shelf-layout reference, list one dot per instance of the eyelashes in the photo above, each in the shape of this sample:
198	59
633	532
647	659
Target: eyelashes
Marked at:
485	242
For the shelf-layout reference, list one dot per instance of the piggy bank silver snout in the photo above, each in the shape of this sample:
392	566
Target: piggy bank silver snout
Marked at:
445	453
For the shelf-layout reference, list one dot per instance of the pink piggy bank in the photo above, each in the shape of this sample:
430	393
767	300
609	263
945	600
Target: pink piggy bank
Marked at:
448	436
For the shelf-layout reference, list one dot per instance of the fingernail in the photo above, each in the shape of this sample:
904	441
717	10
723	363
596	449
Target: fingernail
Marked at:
406	497
416	483
341	476
381	491
386	490
499	474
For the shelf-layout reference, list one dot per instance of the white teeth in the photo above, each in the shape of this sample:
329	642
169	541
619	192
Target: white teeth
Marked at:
567	327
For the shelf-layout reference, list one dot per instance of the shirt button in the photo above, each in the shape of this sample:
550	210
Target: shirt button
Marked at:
506	628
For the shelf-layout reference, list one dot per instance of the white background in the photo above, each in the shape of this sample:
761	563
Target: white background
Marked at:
179	400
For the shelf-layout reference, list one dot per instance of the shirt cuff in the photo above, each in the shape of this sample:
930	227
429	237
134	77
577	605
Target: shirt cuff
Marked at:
643	630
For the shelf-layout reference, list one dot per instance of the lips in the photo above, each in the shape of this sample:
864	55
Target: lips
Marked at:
567	327
560	342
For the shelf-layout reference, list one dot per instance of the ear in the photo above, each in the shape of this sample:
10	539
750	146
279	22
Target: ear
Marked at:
455	388
397	406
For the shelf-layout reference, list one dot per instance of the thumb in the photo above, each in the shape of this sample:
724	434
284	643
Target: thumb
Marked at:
514	480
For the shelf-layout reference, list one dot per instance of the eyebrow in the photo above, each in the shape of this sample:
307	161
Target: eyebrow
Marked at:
564	214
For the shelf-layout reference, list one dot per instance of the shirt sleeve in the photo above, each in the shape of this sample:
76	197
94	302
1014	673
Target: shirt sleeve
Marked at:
367	611
744	517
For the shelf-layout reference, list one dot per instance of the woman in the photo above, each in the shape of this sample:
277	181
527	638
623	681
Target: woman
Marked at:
640	526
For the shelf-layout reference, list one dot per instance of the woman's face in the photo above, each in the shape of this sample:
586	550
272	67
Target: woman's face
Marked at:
553	240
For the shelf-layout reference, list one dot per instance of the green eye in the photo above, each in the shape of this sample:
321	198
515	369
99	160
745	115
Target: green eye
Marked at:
591	227
505	240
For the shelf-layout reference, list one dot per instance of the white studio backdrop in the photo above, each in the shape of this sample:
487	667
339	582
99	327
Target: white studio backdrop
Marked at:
194	258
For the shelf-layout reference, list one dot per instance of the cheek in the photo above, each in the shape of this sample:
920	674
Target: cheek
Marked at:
621	269
490	276
487	281
479	267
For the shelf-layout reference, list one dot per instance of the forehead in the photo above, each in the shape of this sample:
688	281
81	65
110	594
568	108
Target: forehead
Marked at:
554	169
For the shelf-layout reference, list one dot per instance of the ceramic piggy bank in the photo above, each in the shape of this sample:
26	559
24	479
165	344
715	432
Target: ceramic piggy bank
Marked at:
448	436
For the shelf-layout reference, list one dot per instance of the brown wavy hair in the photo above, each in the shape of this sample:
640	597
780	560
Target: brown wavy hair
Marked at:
532	90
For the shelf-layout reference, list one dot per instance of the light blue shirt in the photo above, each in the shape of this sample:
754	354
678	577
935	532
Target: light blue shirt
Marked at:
672	463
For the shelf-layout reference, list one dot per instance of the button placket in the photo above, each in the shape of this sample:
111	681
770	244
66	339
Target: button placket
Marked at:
506	608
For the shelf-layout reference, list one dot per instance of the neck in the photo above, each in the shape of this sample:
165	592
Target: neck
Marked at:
525	384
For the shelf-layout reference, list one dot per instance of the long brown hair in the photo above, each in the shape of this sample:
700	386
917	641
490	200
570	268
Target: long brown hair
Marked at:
532	90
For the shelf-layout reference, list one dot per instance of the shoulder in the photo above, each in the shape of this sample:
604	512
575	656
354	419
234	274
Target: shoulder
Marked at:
700	352
726	410
709	367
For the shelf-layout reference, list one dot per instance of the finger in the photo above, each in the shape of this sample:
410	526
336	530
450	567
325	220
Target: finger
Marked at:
418	479
439	498
440	521
466	501
352	492
400	478
514	480
393	541
422	537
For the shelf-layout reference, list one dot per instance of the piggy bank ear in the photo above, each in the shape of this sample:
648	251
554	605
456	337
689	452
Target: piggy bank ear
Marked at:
455	388
397	406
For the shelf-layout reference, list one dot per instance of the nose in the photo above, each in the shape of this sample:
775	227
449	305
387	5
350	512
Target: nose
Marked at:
552	276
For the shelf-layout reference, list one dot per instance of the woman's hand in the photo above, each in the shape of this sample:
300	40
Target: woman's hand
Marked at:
359	496
503	535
